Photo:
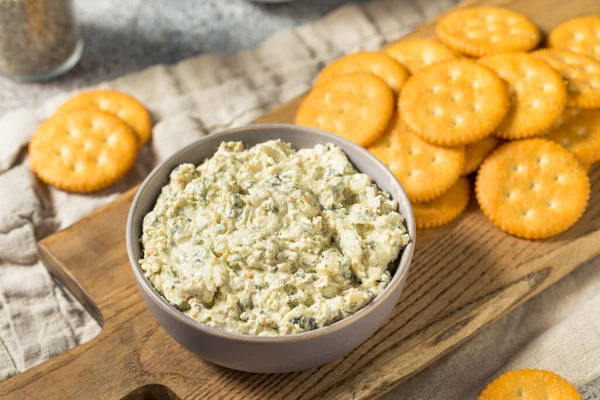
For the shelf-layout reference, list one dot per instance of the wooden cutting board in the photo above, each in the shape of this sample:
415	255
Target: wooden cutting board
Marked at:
464	276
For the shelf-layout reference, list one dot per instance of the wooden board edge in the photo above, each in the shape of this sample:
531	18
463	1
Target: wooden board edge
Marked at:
65	277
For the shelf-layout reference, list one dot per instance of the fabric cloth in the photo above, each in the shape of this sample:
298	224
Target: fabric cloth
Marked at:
38	318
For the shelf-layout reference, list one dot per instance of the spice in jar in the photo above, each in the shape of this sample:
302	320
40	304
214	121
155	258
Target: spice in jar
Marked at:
38	38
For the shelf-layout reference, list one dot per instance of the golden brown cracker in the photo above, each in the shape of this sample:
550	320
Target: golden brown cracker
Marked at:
530	384
82	150
388	69
117	103
424	170
453	103
477	152
443	209
356	106
579	35
581	74
480	31
532	188
538	94
579	132
382	147
417	53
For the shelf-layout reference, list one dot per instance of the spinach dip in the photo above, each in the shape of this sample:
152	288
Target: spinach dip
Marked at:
271	241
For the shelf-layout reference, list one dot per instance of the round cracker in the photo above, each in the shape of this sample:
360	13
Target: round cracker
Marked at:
581	74
538	94
117	103
415	54
82	150
481	31
424	170
532	188
532	384
443	209
382	147
453	103
477	152
356	106
388	69
579	132
579	35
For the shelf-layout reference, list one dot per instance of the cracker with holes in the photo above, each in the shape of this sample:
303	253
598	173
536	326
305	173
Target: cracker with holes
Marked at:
477	152
355	106
120	105
82	150
579	35
376	63
443	209
424	170
538	94
532	188
415	54
453	103
579	132
530	384
481	31
581	74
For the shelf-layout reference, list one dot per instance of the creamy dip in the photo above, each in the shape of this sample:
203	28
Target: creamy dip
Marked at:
271	241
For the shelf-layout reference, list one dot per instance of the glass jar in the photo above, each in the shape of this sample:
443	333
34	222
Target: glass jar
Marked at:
38	39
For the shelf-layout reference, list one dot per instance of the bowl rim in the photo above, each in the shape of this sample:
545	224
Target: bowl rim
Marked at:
397	278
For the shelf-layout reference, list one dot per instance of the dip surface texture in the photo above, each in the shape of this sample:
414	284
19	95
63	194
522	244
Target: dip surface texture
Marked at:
271	241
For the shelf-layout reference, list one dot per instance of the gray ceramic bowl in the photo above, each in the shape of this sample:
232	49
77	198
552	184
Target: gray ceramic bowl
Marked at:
258	353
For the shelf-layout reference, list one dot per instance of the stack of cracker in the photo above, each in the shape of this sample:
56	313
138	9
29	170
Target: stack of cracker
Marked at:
91	141
478	101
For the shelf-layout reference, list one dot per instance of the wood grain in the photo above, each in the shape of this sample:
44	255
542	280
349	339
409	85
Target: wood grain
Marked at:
464	276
